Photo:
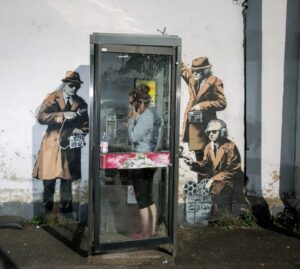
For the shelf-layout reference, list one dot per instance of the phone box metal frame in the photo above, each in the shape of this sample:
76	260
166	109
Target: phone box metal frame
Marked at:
130	43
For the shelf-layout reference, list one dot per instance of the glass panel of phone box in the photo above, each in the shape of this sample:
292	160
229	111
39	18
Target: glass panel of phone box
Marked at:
134	135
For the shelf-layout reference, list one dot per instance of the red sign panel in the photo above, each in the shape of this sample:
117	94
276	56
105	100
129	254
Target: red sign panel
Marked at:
134	160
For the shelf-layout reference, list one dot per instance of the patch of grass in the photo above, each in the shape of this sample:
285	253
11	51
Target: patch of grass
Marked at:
287	220
36	220
49	219
246	220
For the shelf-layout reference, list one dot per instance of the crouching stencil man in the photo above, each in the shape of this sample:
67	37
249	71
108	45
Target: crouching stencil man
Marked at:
59	157
222	166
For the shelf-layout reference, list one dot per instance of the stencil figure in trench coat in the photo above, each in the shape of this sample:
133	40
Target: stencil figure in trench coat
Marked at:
206	98
222	166
65	113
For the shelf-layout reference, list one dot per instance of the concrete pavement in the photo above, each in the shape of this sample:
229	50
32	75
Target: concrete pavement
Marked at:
198	247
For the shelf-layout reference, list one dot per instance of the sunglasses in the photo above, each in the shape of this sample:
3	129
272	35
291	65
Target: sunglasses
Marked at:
213	131
71	85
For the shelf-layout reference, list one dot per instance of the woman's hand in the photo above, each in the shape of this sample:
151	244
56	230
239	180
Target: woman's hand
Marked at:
133	114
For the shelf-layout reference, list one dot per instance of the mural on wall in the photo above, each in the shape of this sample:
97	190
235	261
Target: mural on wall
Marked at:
65	114
216	160
198	201
206	98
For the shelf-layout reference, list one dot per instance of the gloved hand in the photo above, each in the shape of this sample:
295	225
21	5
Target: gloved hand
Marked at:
209	184
196	107
194	166
77	131
188	160
70	115
184	67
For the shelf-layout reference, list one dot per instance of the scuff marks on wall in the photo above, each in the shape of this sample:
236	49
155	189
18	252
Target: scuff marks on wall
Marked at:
3	161
252	191
10	158
15	190
275	175
7	162
271	188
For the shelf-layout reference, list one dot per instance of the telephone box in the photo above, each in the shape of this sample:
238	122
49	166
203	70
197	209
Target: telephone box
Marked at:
133	186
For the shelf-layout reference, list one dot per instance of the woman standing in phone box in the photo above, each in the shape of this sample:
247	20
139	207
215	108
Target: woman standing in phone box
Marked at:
143	130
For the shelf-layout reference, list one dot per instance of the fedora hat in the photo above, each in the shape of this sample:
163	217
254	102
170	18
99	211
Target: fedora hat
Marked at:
72	76
200	63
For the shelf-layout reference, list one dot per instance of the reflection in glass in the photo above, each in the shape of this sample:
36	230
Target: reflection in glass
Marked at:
126	161
120	74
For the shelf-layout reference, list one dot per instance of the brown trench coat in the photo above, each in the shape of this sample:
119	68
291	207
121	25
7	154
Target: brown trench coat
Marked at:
53	161
211	99
224	168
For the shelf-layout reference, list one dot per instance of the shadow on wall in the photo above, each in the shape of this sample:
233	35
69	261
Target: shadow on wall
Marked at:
253	157
253	97
289	101
79	187
290	116
269	214
253	111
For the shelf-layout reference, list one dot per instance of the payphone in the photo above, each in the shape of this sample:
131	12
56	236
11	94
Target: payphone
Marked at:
121	64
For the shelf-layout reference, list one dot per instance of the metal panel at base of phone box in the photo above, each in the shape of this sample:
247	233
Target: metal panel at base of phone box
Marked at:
134	160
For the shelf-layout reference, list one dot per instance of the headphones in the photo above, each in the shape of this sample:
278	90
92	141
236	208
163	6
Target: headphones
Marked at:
223	130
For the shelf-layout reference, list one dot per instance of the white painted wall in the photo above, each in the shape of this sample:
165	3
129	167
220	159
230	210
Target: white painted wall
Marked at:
41	39
273	48
273	88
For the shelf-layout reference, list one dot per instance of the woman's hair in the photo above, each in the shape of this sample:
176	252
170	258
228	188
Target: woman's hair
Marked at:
141	93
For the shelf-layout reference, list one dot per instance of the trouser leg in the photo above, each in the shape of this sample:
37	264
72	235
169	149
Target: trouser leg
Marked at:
48	195
66	196
222	203
199	154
